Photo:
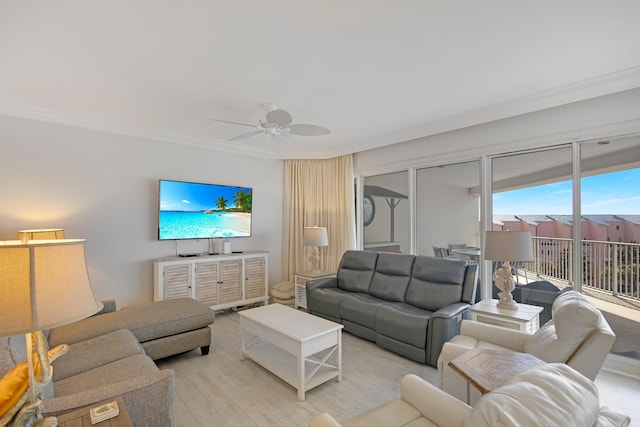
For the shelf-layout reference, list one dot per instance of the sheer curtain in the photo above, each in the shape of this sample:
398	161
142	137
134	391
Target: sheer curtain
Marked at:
317	193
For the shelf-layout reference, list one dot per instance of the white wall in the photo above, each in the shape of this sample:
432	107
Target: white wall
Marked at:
443	213
103	187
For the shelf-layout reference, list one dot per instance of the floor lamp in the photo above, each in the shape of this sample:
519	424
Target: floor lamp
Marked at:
507	246
314	237
43	284
40	234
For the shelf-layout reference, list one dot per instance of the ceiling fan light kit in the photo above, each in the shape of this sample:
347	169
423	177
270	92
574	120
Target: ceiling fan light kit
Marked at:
277	122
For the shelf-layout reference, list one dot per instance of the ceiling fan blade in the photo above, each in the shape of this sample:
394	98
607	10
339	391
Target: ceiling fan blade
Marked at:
279	117
245	135
308	130
233	123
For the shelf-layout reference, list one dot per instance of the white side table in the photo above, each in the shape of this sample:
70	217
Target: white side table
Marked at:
301	280
524	318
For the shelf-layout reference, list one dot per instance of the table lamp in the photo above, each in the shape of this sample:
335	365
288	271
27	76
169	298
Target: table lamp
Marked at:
43	284
507	246
315	237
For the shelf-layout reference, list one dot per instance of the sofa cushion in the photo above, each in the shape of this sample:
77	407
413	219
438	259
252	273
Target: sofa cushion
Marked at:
326	301
356	270
391	277
360	309
574	317
404	323
435	282
106	375
147	321
549	395
94	352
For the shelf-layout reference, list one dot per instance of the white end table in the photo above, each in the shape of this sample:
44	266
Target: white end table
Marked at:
524	318
301	280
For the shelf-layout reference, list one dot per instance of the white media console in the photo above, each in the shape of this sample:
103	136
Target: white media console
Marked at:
219	281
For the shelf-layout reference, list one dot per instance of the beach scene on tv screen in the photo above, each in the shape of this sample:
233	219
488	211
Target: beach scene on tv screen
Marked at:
191	211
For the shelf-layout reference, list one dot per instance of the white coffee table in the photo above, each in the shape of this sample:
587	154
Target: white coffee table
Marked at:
303	350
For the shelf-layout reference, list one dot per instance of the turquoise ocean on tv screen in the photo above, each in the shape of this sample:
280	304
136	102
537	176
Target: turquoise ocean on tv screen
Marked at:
195	225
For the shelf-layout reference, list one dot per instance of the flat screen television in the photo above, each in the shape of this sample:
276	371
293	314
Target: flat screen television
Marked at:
191	210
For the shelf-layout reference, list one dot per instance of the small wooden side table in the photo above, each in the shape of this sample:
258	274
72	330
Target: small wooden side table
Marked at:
525	317
301	279
81	418
490	369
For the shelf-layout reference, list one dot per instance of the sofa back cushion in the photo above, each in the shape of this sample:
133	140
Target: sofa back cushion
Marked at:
436	282
391	278
356	270
574	319
550	395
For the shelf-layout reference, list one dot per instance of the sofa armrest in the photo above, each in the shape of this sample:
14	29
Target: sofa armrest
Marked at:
324	282
149	398
451	310
324	420
439	407
444	324
509	338
108	306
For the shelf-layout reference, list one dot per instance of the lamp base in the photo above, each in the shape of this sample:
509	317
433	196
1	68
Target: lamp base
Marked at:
506	301
314	260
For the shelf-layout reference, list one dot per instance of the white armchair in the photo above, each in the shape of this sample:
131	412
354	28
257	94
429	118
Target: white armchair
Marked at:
577	335
550	395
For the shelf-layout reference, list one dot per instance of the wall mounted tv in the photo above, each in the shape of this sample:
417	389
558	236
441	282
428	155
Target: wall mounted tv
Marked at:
191	210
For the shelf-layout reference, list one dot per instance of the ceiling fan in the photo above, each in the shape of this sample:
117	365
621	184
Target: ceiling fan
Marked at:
277	122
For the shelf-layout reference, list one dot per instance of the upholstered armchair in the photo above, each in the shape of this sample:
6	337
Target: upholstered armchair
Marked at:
550	395
577	335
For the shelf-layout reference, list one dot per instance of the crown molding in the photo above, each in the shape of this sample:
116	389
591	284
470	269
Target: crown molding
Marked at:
587	89
164	135
580	91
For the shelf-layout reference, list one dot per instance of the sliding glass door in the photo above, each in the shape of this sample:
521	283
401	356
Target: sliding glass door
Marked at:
532	191
610	232
448	210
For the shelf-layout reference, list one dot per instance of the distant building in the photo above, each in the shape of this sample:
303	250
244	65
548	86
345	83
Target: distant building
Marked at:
604	228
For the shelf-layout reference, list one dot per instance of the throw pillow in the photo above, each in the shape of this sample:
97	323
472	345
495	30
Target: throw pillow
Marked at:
15	383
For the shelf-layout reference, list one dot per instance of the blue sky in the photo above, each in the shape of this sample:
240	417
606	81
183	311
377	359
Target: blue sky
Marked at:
612	193
188	196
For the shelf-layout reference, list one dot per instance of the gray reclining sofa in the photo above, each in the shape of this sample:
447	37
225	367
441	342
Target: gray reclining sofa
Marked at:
408	304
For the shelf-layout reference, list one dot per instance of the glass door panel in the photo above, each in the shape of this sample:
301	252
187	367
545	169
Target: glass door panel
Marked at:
385	212
448	210
610	228
532	191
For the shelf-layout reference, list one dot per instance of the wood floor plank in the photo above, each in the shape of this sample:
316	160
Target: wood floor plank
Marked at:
222	390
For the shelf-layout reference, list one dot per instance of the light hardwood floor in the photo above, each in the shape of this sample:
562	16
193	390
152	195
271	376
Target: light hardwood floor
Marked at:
221	390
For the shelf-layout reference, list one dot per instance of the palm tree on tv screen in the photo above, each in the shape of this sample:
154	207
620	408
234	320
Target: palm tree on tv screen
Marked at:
221	203
242	200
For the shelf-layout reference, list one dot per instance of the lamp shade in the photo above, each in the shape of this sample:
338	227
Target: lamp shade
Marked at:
43	284
508	246
315	236
41	234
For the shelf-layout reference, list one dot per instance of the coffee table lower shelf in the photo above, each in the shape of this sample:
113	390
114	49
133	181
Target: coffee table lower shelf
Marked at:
284	365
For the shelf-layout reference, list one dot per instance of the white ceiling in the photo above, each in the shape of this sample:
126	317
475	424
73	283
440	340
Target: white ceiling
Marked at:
374	72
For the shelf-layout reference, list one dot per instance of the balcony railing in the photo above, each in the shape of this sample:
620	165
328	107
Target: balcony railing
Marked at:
607	266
